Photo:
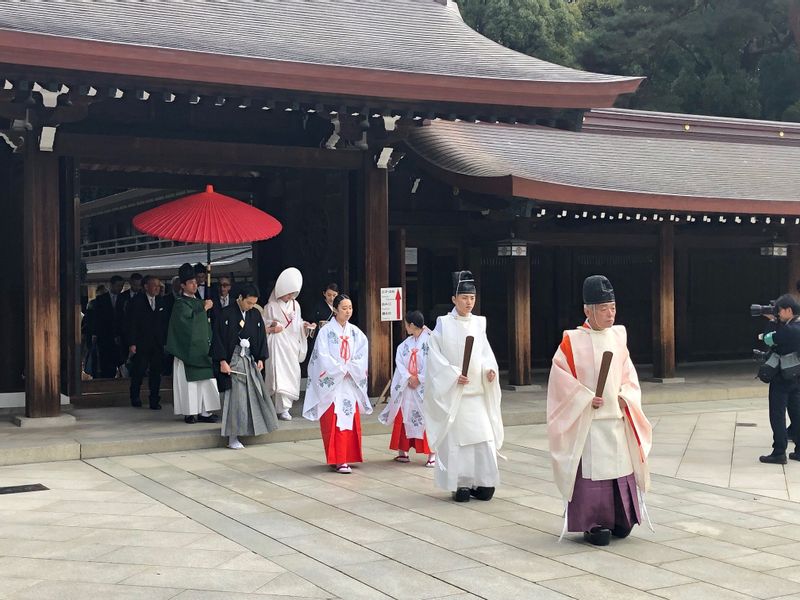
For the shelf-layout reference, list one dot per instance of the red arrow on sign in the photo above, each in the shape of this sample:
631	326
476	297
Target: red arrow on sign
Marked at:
397	299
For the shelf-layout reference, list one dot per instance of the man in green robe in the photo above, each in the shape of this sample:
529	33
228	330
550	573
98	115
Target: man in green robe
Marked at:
194	388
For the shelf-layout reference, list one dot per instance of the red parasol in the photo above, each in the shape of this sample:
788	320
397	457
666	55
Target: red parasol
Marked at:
209	218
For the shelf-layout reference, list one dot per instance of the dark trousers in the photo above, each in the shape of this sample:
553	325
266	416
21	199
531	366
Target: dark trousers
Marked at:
783	396
147	358
109	353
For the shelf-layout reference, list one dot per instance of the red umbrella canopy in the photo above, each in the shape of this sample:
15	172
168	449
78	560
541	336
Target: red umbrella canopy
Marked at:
208	218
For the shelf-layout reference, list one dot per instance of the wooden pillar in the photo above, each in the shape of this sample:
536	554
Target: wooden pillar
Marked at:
793	253
70	202
375	259
397	278
682	274
664	305
519	321
42	276
12	300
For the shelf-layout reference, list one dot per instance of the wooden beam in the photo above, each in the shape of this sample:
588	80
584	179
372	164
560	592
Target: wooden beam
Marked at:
174	181
519	321
376	273
198	153
664	306
42	276
70	284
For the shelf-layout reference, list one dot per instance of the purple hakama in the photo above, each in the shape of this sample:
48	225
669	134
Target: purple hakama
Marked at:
607	503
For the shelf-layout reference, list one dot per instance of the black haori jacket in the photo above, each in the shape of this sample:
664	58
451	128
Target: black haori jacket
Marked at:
229	328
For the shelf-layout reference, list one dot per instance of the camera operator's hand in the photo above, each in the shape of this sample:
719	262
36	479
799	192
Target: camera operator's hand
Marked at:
770	317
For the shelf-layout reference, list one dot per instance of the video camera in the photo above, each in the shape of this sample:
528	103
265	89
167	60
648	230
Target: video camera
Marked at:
763	310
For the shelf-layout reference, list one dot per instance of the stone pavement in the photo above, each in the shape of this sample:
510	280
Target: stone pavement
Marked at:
117	431
272	522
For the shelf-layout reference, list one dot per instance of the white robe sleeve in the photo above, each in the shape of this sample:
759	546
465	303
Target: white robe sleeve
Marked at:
442	393
326	371
358	367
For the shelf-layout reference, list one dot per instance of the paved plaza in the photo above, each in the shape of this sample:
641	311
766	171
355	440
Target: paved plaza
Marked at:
272	522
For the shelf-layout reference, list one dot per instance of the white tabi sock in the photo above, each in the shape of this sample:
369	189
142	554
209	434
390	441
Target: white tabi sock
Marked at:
234	443
205	413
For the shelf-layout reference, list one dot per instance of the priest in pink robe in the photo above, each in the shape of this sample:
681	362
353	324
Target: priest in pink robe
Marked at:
599	443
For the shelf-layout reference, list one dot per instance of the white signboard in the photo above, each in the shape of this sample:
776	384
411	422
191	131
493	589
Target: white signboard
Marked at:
391	304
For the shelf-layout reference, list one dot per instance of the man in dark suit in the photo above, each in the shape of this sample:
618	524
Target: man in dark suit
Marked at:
106	328
147	335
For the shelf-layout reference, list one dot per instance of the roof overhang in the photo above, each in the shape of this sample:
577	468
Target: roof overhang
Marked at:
595	170
41	51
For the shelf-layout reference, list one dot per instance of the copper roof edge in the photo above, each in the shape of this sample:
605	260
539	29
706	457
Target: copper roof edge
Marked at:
74	54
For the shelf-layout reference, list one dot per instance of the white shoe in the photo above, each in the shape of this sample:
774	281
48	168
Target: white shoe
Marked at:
237	445
285	416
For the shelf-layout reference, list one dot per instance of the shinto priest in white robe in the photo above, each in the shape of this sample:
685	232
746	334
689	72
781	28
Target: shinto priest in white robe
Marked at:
604	444
463	422
287	348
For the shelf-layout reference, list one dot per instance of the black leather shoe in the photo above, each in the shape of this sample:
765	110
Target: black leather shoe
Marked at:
461	495
136	403
598	536
773	459
208	419
155	406
621	532
190	419
794	455
482	493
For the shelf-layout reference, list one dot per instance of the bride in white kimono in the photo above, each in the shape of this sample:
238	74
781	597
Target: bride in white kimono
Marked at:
337	386
287	341
407	389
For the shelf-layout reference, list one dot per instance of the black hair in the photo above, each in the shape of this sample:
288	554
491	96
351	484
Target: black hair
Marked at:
788	301
200	268
338	300
115	279
415	317
331	286
246	290
147	278
136	277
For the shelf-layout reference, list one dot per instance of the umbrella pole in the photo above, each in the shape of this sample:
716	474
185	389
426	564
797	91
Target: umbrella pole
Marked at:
208	271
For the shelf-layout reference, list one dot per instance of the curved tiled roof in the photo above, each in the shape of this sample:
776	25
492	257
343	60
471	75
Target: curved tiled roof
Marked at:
615	170
423	37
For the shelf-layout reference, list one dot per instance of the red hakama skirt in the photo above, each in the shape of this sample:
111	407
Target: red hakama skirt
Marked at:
341	446
399	440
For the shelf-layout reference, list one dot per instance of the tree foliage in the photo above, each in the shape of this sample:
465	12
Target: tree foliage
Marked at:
735	58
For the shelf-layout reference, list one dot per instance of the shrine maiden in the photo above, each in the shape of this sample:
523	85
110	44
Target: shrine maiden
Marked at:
337	386
407	388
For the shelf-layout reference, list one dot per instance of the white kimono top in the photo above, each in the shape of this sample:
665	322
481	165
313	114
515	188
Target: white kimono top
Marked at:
287	348
337	374
409	360
611	441
442	402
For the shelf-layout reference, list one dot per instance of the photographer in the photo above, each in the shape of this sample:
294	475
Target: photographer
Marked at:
784	388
